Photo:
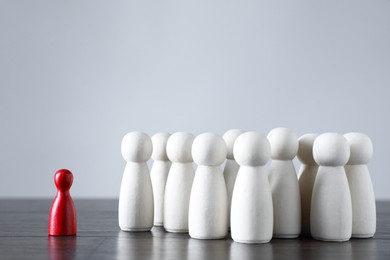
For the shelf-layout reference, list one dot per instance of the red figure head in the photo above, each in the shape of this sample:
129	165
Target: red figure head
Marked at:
63	179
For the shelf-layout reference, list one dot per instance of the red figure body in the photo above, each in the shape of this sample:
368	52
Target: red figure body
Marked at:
62	218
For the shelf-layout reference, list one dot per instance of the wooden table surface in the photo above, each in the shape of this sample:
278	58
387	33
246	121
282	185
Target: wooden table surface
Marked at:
23	235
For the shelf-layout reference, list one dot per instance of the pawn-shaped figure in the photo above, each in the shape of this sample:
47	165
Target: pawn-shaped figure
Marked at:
331	207
307	175
179	183
209	201
231	167
252	210
136	210
360	185
159	174
284	183
62	217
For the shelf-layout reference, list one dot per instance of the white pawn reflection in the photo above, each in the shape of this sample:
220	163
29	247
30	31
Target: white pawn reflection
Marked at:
131	245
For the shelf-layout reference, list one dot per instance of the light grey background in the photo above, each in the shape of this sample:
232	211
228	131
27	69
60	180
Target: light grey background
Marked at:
75	76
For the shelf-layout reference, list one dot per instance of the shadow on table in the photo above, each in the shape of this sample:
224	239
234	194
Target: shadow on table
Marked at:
163	245
61	247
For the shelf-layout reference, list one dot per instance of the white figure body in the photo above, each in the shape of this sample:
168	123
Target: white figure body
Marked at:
208	203
360	185
252	210
231	167
284	183
331	208
179	183
159	174
307	175
135	210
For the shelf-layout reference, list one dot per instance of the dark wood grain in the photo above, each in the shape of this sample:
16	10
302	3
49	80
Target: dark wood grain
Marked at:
23	235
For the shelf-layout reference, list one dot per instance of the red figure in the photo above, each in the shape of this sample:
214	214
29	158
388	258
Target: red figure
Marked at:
62	218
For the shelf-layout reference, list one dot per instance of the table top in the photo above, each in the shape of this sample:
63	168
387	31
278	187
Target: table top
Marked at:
23	235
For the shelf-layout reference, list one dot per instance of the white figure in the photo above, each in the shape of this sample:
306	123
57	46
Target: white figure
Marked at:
360	185
159	174
307	175
231	166
331	208
252	210
284	183
208	203
179	183
135	210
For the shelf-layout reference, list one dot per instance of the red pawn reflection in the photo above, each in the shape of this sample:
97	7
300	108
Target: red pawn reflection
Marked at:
62	218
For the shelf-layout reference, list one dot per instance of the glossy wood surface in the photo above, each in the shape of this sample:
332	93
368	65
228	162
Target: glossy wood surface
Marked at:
23	235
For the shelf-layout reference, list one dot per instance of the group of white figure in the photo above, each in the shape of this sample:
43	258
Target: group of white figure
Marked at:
333	199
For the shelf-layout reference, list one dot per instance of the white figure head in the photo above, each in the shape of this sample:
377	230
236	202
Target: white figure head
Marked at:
136	147
159	141
252	149
305	150
179	147
284	143
209	149
230	137
331	149
361	148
